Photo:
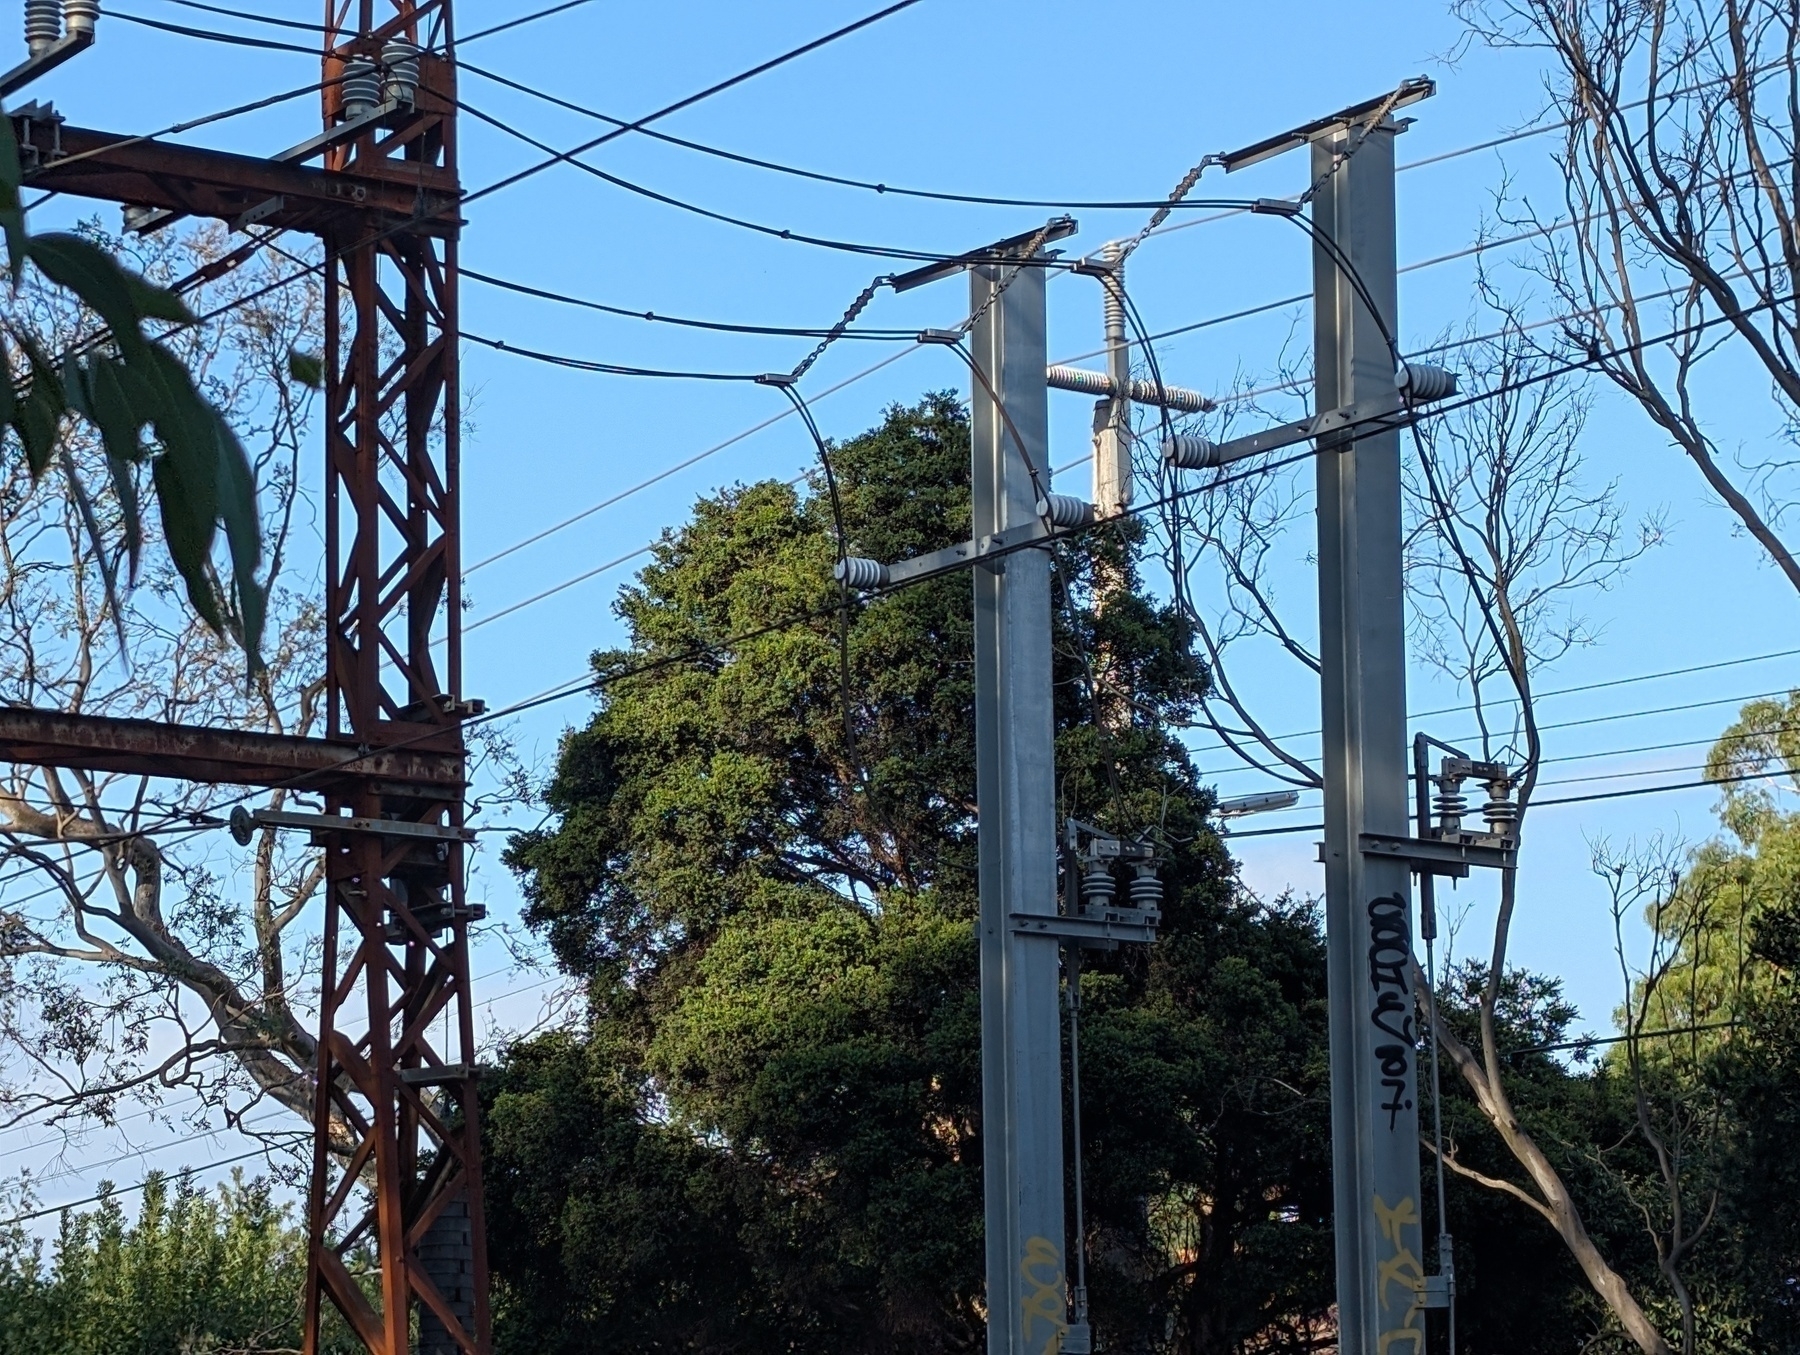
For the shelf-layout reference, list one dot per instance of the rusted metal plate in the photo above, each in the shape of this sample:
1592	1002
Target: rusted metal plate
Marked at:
227	756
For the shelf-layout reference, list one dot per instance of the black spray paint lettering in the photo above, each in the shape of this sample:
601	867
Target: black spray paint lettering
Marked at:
1390	952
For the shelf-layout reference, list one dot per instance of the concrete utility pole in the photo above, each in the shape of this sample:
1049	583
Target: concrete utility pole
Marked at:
1021	1023
1368	906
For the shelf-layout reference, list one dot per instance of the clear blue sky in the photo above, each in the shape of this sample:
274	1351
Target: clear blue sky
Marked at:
1053	99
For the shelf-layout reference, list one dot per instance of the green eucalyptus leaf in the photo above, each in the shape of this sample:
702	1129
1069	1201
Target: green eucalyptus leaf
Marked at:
306	368
36	422
189	534
37	414
186	426
243	533
90	522
12	215
94	276
157	303
121	433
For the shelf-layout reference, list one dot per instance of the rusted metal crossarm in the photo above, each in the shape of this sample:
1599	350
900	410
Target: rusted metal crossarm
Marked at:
229	756
196	181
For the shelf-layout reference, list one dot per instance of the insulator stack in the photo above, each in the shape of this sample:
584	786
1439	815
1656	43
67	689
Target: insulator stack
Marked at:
1146	886
1065	510
361	87
1423	383
855	572
1098	888
43	25
81	16
1190	451
1501	813
402	61
1449	806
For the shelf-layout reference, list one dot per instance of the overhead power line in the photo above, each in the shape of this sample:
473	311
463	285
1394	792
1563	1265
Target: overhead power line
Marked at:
1631	792
1437	411
1658	674
300	25
841	181
510	24
720	87
785	331
659	476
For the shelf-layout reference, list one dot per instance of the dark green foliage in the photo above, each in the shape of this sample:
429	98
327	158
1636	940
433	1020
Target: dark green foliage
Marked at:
769	1137
195	1273
1518	1289
129	384
1763	1069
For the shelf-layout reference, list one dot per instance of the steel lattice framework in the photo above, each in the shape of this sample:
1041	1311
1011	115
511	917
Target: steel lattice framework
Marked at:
396	1165
396	1075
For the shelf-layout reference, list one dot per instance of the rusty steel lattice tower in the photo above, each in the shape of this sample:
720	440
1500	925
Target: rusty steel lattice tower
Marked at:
396	1074
396	1120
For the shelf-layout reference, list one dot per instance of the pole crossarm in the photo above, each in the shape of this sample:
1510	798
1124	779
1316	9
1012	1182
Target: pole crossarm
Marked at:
46	738
196	181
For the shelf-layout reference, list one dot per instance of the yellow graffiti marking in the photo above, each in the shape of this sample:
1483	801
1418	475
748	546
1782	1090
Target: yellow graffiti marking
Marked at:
1393	1220
1403	1269
1047	1299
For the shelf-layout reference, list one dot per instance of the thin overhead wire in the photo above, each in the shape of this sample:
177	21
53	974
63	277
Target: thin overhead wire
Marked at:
521	21
720	87
681	465
1578	688
656	317
1631	792
269	20
213	34
574	161
841	181
600	368
299	25
1436	411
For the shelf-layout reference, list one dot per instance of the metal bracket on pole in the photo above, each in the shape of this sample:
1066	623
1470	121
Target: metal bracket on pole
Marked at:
1091	928
46	61
245	822
1438	856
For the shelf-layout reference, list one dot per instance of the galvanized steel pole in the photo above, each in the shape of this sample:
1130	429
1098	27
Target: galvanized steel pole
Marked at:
1374	1085
1021	1026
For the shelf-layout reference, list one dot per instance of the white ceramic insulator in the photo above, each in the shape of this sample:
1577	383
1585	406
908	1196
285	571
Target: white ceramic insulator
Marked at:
361	87
1065	510
1190	451
855	572
81	15
43	25
402	61
1423	383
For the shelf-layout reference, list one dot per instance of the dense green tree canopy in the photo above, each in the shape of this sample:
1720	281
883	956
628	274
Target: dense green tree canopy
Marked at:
193	1274
768	1137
